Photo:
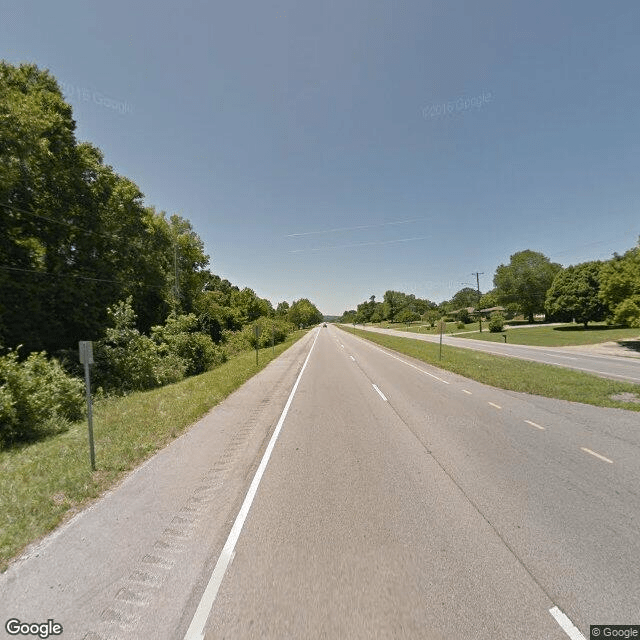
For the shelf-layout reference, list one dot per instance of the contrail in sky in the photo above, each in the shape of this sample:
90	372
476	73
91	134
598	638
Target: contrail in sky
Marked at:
358	244
362	226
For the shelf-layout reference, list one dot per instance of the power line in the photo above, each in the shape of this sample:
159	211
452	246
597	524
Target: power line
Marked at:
68	224
78	277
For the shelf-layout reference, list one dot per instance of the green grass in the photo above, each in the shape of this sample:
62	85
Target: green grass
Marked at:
422	327
43	483
511	373
560	336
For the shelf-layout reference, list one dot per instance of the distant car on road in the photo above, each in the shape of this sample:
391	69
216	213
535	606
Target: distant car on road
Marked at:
325	324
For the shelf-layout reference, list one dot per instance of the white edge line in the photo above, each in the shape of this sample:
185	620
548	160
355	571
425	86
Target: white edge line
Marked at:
567	626
597	455
533	424
380	393
405	362
196	628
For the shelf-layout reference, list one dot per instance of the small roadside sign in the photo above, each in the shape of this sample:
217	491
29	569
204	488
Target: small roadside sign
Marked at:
86	352
85	348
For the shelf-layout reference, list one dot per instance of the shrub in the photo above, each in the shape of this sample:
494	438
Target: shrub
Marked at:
270	329
180	337
496	323
237	341
627	313
128	361
34	394
461	325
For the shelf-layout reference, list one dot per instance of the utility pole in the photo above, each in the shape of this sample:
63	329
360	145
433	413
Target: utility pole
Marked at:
477	274
176	283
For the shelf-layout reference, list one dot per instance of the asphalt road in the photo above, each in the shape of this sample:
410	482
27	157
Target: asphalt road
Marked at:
349	492
616	367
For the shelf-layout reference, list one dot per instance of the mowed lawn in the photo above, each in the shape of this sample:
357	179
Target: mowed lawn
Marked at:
560	336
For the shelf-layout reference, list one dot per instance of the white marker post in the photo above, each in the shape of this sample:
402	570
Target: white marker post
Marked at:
86	358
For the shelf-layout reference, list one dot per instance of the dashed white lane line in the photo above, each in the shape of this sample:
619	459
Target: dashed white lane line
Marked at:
533	424
567	626
497	406
352	358
467	392
199	621
380	393
597	455
342	346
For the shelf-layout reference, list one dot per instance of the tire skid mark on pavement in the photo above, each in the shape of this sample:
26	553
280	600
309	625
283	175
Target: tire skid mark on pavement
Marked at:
125	610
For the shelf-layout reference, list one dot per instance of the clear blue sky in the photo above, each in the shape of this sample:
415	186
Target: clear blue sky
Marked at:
258	121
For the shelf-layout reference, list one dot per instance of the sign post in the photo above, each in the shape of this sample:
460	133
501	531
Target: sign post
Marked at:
86	358
256	332
442	324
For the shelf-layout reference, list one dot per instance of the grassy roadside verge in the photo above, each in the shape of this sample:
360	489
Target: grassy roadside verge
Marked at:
511	373
559	336
44	483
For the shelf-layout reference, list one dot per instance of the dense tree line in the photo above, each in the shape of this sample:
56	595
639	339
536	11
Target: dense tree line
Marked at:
83	258
530	284
76	238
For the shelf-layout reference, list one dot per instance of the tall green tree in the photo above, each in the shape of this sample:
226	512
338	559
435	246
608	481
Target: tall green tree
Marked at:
250	306
393	303
525	281
38	173
574	294
75	236
305	313
620	287
466	297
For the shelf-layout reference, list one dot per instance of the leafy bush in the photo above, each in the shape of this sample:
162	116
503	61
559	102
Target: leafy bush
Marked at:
496	323
627	313
33	395
406	315
180	336
237	341
128	361
461	324
463	316
269	330
431	316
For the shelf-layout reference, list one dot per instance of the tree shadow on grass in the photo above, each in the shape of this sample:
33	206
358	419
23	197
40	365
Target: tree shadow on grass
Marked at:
580	327
27	437
634	345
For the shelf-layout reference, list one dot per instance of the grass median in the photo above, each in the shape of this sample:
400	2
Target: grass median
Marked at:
512	373
44	483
